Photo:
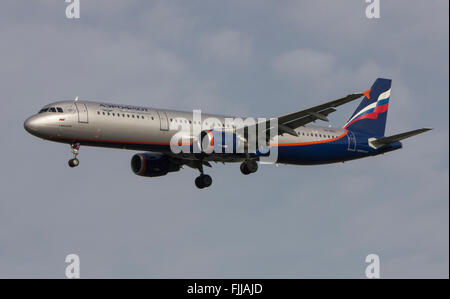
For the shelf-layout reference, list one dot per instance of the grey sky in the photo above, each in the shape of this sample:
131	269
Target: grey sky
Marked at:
258	58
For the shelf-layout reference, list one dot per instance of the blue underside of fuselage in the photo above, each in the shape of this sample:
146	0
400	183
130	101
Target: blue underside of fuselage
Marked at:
323	153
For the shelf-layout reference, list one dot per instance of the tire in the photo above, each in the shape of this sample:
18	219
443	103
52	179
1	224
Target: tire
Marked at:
74	162
252	166
199	183
203	181
244	169
206	181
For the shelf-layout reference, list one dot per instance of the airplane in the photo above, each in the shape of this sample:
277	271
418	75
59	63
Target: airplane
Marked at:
87	123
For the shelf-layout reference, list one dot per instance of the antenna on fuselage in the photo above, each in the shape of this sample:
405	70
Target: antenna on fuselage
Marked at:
76	99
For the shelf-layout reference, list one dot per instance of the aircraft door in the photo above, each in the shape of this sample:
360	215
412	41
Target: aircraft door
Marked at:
82	112
164	121
351	141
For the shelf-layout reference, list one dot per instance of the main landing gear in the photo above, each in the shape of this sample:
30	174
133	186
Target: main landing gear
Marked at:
203	180
74	162
249	166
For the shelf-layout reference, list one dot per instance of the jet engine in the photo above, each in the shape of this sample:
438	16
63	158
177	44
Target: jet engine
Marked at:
152	165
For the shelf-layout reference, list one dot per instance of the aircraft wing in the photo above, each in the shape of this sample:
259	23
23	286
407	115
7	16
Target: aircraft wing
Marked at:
287	123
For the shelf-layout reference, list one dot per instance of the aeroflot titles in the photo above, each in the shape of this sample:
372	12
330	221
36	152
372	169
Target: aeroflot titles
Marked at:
126	107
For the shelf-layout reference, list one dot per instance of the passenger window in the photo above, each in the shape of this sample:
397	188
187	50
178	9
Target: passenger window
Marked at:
153	118
98	112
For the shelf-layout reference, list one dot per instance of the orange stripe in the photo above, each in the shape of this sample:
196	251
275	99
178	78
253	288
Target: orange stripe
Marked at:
311	142
190	143
117	141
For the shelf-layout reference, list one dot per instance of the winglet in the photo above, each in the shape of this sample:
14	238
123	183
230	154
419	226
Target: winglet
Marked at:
367	93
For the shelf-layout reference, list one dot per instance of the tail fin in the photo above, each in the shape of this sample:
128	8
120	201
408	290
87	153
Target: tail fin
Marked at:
370	116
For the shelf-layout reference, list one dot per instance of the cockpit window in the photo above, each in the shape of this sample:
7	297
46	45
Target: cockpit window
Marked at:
52	109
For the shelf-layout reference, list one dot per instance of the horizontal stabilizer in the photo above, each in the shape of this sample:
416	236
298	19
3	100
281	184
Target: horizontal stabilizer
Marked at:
380	142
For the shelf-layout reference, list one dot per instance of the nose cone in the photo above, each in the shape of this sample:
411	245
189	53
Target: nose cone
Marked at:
32	125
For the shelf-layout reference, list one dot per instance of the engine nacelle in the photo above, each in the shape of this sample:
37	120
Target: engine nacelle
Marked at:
220	142
152	165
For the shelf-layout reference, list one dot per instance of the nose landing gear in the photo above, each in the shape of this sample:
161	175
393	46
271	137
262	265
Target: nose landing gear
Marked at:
74	162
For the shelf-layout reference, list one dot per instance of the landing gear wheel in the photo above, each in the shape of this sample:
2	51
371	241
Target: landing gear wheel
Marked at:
75	147
203	181
198	183
244	169
74	162
206	180
248	167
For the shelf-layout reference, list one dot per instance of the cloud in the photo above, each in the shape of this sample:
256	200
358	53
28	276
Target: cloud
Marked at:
167	22
231	57
227	46
304	64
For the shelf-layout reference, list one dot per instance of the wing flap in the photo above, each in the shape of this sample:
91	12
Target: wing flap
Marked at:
311	117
